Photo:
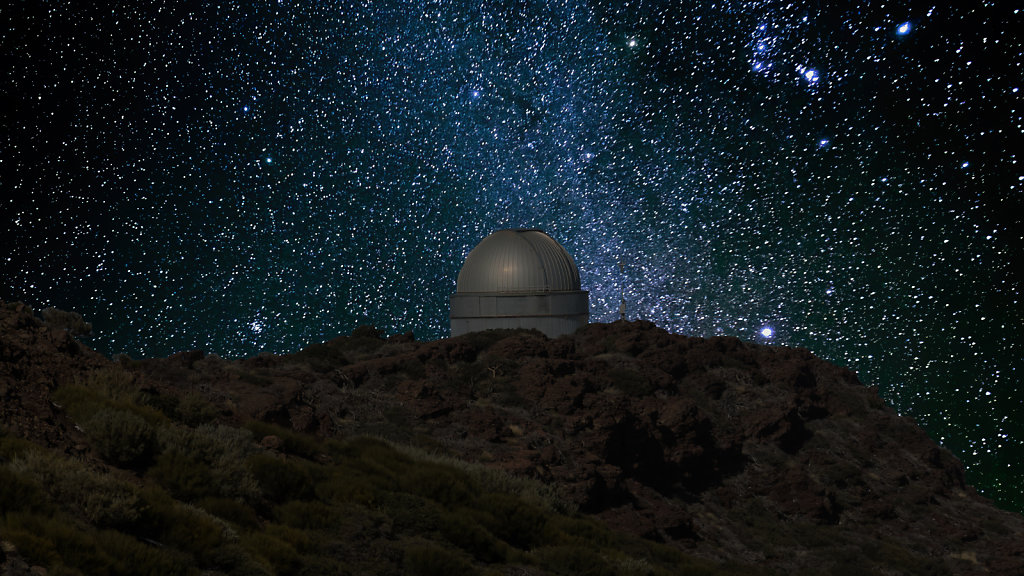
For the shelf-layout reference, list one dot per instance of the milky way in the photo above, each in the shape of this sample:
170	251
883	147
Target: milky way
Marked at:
243	178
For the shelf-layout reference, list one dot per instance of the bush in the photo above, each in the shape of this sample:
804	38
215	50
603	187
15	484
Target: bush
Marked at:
194	410
292	442
572	560
514	521
111	388
281	480
126	555
462	530
12	446
185	527
427	560
19	492
122	438
206	461
99	498
348	486
65	548
562	530
410	514
306	515
279	554
70	321
443	484
183	474
232	510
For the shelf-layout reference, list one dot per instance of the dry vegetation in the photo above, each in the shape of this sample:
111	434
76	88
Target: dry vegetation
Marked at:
175	497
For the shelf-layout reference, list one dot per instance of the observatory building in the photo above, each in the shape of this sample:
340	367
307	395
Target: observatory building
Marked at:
520	278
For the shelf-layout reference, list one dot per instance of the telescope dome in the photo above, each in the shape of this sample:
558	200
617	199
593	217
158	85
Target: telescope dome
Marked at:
519	278
520	260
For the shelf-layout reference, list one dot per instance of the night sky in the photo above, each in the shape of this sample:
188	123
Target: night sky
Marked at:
246	177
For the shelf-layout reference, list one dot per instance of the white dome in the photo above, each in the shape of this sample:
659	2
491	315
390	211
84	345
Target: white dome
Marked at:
518	261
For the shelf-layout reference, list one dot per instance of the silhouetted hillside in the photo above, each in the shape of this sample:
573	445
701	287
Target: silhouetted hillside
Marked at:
622	449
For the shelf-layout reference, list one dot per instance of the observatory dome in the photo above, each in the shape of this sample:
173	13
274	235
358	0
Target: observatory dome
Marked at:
524	260
519	278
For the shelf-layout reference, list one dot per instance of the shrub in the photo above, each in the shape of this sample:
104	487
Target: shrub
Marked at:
70	321
66	548
230	509
127	555
281	480
206	461
562	530
121	437
19	492
376	458
99	498
279	554
12	446
462	530
292	442
194	410
39	538
443	484
482	479
166	404
111	388
183	474
114	383
509	518
307	515
345	485
427	560
197	531
572	560
185	527
409	513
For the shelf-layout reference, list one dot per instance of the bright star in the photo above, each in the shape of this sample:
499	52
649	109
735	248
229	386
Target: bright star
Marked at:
903	28
767	332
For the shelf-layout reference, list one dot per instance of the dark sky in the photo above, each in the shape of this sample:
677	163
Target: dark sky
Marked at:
246	177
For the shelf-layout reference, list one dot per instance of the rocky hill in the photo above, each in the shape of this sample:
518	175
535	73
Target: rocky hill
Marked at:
622	449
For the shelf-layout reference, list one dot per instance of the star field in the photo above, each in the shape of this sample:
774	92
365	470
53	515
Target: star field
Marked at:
254	177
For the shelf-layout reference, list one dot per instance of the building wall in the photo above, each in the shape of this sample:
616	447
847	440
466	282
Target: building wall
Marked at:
553	313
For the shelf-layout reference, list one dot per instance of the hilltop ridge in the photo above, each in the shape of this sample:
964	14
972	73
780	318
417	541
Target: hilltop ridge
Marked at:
729	452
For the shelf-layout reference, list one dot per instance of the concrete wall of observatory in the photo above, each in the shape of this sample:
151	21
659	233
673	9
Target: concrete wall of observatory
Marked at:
553	313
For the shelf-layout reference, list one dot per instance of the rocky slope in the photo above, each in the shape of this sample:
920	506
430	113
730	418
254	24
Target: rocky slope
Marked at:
726	450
